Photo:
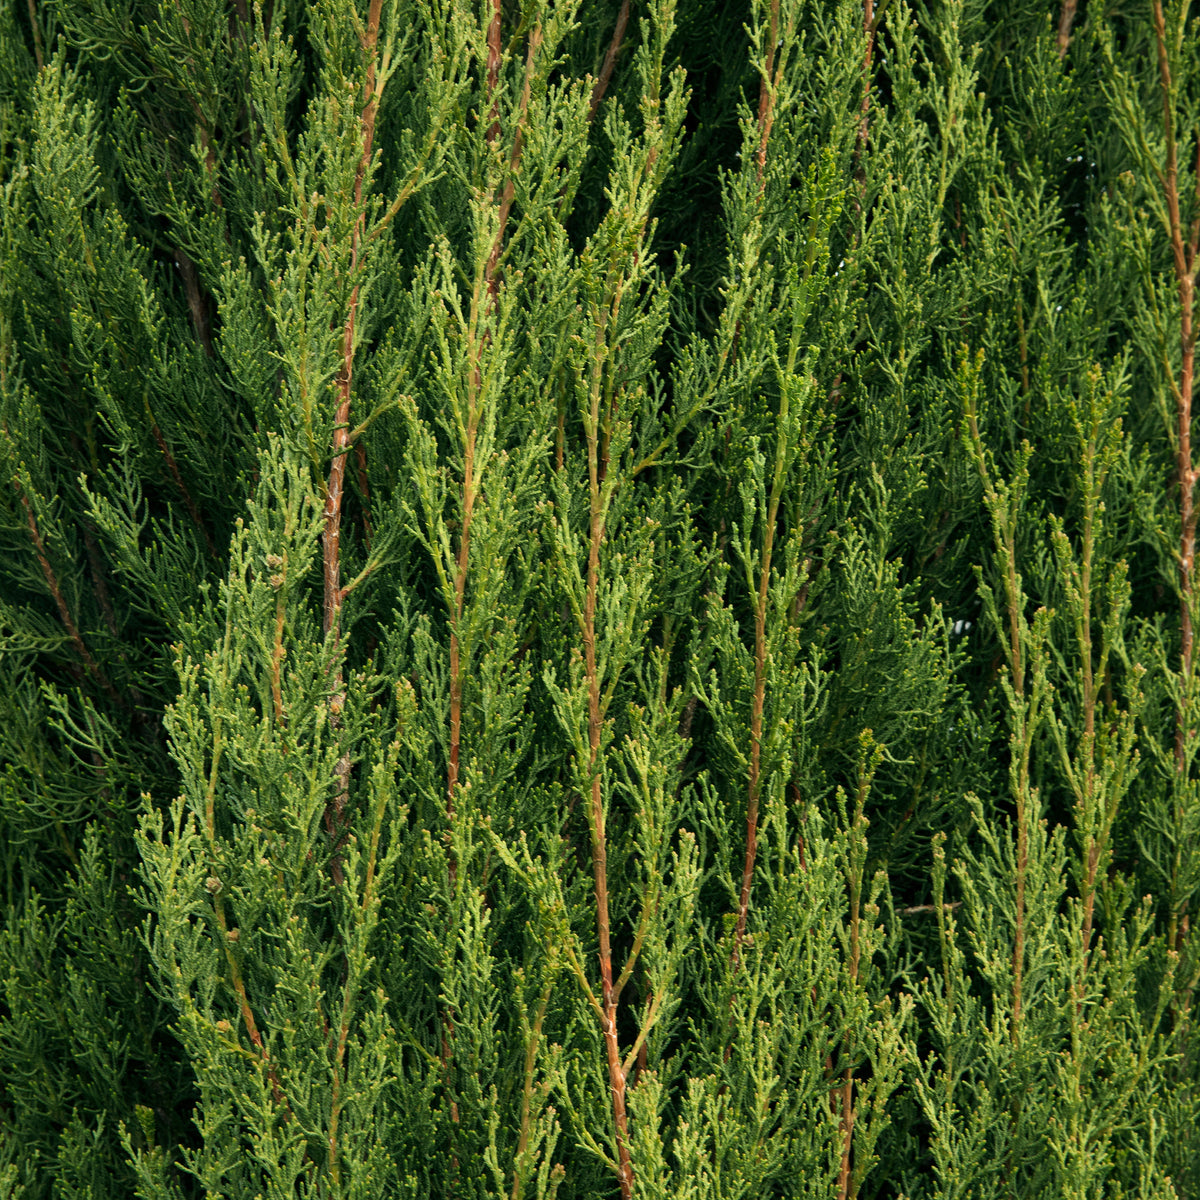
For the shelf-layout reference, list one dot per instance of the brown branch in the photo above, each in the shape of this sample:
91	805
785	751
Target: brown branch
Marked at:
181	487
616	1074
864	122
38	51
1005	540
857	855
766	96
1065	19
509	190
335	813
482	303
229	936
60	602
520	1159
1185	473
197	305
754	785
277	652
98	581
610	60
494	58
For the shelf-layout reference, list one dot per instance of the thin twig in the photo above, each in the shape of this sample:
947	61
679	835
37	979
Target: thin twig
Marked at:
1065	19
610	60
38	51
181	487
335	813
60	602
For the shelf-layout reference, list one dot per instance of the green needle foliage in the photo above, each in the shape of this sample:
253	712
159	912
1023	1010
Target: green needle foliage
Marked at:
599	600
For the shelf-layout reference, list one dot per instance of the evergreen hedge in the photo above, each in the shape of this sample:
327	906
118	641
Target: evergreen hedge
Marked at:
599	599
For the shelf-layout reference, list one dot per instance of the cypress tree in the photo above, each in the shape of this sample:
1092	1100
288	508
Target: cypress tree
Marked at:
598	599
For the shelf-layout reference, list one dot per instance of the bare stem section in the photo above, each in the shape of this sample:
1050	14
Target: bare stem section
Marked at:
1003	502
610	59
1066	18
754	783
856	862
60	602
335	813
599	493
1184	260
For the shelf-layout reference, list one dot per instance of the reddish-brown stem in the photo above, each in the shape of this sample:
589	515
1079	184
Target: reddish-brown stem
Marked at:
60	602
181	487
531	1049
616	1074
846	1109
610	59
482	304
1093	845
766	96
197	306
494	58
1065	20
277	649
460	585
753	789
239	987
509	190
754	784
1185	277
864	120
1018	958
1006	547
227	935
38	52
335	818
339	1061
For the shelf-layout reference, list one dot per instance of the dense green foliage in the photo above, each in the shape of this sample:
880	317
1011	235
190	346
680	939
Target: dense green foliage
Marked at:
598	599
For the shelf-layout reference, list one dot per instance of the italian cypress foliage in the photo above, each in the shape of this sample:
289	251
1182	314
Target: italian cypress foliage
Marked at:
598	599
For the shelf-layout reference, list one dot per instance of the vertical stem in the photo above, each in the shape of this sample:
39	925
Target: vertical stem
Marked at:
483	300
364	490
1092	845
277	648
864	123
535	1036
610	59
766	96
60	602
1004	517
754	785
336	1101
616	1074
176	478
494	58
857	850
766	111
38	52
1184	259
214	886
1066	18
460	585
335	818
